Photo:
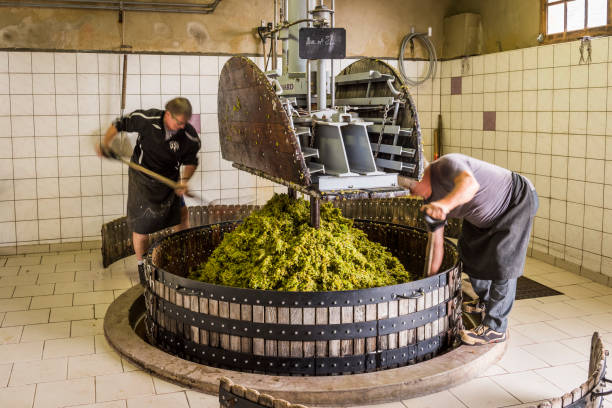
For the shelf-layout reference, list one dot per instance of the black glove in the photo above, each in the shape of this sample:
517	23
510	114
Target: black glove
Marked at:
432	223
108	152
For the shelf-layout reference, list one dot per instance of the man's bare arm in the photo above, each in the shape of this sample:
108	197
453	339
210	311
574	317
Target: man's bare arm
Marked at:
465	189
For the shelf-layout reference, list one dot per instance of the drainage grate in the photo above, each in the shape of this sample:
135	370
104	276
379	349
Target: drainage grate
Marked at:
528	289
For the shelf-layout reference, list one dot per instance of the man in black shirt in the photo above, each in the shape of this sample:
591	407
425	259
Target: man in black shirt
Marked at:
165	142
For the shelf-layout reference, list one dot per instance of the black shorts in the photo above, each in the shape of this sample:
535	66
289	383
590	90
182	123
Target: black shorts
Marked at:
151	205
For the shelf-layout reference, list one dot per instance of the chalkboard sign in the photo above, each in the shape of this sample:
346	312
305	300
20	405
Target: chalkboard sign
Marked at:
322	43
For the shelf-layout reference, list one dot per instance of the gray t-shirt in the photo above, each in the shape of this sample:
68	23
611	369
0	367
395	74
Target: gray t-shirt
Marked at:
491	199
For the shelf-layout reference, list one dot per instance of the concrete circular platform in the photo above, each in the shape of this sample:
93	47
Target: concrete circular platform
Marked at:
445	371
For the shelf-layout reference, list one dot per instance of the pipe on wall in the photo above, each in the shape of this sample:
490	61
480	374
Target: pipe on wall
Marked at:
114	5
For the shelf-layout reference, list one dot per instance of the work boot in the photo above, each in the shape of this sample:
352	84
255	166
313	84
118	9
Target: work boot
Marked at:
482	335
141	275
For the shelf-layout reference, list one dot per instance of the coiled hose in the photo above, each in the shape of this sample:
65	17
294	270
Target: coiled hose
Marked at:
433	60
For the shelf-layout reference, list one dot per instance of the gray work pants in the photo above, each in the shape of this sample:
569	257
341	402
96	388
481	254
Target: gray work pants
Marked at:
498	298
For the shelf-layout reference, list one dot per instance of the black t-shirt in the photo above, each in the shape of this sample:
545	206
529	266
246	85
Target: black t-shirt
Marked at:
153	150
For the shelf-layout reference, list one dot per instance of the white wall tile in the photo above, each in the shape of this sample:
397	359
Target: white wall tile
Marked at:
24	147
112	185
112	204
530	58
71	227
6	148
43	62
608	179
7	232
91	226
545	56
46	166
91	206
515	60
3	61
578	122
24	168
111	63
132	85
579	76
87	83
26	210
90	166
66	104
170	84
599	50
89	125
66	84
110	104
597	99
593	218
561	54
48	208
595	170
7	189
110	84
209	85
546	78
4	84
209	65
150	64
70	186
49	229
47	187
530	79
91	186
211	180
45	128
190	85
26	231
65	63
87	63
190	65
150	84
20	83
22	105
579	99
561	100
89	105
20	61
44	105
170	64
68	145
7	211
112	167
561	77
25	189
43	84
593	194
545	100
598	75
70	207
5	105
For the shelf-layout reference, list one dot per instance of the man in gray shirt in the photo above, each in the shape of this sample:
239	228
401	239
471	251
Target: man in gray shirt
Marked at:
497	207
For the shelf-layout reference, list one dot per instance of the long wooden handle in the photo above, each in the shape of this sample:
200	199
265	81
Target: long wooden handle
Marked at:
170	183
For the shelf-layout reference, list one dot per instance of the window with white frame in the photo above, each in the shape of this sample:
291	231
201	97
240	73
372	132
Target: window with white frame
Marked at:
570	19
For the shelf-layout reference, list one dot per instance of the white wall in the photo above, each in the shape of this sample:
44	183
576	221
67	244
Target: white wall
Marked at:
54	107
554	125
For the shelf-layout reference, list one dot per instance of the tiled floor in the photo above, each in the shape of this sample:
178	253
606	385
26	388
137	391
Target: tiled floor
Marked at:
53	352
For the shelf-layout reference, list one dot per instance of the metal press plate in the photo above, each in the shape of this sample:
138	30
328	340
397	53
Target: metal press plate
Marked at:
254	130
379	93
